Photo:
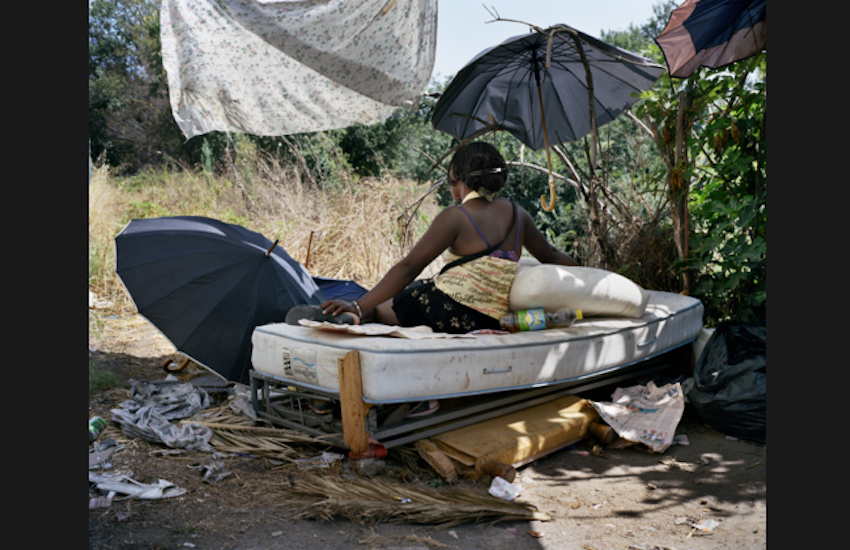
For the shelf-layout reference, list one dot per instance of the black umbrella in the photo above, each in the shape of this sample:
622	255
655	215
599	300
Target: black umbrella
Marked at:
538	87
206	285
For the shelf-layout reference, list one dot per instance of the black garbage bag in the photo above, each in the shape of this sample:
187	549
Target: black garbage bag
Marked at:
730	381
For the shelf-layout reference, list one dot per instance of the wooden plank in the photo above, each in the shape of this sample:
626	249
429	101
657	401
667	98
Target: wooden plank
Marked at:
351	403
437	459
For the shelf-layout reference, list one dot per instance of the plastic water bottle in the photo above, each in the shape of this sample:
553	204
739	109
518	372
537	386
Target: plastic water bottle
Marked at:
96	425
538	319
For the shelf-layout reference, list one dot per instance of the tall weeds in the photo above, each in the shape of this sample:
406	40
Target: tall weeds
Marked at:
351	231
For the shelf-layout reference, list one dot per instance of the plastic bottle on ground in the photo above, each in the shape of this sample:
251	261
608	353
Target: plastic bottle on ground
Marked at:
538	319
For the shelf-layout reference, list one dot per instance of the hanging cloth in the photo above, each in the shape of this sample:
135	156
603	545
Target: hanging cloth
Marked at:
271	68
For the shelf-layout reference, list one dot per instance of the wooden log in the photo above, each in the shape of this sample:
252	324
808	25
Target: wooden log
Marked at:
351	403
604	433
500	469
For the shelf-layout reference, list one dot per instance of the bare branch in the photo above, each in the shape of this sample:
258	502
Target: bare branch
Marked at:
639	122
436	163
543	170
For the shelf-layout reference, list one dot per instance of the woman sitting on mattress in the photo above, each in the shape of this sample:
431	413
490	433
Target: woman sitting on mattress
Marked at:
481	240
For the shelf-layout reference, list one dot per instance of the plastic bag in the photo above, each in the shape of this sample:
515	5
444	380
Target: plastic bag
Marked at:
730	381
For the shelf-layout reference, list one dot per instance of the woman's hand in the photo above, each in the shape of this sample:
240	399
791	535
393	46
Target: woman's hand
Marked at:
335	307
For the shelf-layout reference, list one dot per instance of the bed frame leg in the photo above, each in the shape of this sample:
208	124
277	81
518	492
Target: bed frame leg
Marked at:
351	403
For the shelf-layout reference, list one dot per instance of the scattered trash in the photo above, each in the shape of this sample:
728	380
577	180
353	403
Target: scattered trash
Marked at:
214	471
598	506
645	414
583	453
731	438
277	533
576	505
100	459
651	486
511	530
611	525
649	528
189	544
707	525
96	426
127	486
405	500
500	488
753	465
536	534
153	405
598	451
452	533
101	502
681	439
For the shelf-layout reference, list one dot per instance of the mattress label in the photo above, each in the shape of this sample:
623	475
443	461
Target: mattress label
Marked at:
303	362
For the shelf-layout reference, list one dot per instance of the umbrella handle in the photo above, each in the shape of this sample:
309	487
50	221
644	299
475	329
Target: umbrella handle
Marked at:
551	206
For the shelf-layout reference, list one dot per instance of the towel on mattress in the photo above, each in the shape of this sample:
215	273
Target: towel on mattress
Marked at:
596	292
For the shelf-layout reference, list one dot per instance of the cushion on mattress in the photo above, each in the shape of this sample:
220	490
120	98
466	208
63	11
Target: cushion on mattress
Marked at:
596	292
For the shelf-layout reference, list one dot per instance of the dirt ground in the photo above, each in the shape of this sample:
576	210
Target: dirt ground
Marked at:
626	499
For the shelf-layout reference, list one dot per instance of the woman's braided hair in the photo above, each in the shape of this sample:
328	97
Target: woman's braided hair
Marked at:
477	157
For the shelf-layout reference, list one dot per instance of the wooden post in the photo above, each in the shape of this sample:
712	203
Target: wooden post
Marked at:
351	403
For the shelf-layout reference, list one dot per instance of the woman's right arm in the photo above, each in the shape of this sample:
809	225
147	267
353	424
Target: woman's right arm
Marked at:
534	241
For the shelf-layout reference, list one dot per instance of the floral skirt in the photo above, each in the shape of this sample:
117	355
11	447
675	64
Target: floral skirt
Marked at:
422	304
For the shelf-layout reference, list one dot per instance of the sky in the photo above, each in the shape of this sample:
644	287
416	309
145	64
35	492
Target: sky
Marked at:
463	31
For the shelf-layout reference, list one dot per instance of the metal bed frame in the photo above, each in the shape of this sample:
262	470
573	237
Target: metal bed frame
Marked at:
282	402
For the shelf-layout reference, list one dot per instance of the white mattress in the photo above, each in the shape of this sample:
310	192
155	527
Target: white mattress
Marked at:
397	370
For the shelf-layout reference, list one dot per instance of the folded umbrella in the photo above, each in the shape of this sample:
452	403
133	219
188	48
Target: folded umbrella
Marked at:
206	284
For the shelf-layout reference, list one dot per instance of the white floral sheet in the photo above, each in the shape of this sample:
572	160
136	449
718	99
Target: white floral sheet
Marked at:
266	67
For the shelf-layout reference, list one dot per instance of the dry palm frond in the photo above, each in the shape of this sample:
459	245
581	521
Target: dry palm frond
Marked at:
370	501
236	433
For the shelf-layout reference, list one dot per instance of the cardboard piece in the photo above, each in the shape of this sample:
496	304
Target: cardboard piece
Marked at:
519	437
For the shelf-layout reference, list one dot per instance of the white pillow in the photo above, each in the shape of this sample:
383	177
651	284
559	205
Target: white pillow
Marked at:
596	292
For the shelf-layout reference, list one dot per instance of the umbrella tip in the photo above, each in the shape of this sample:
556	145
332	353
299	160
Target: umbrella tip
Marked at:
269	251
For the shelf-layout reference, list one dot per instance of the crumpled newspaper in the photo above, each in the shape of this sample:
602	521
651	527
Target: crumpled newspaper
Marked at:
645	414
153	405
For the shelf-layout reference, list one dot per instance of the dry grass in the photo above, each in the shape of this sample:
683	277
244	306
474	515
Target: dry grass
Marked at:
352	232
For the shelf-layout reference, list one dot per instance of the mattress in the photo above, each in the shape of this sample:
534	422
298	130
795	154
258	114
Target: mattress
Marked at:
399	370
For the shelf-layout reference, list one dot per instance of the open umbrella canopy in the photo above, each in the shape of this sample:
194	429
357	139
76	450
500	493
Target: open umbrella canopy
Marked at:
712	33
206	284
504	85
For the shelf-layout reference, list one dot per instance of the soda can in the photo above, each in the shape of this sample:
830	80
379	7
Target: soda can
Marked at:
96	425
